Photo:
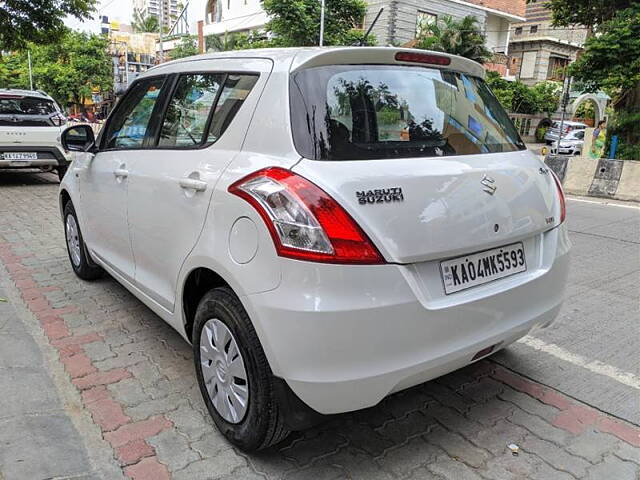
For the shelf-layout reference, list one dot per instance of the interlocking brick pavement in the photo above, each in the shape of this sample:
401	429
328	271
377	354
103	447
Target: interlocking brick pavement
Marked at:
136	380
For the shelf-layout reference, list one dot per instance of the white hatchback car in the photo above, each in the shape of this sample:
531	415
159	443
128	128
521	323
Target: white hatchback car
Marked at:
30	126
326	226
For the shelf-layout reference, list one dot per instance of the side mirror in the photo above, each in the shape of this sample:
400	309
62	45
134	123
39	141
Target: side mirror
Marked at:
79	138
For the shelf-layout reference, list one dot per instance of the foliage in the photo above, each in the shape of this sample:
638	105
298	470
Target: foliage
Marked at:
611	62
547	95
589	13
585	110
516	97
296	23
540	133
221	43
626	124
144	23
458	37
38	21
69	71
186	48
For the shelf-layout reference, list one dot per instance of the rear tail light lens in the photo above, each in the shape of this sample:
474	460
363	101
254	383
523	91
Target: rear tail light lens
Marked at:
304	221
58	120
563	203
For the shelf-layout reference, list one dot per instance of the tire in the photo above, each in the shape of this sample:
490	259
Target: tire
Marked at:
259	424
76	248
62	169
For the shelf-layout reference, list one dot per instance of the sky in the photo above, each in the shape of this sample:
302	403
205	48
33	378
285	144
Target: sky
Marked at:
118	10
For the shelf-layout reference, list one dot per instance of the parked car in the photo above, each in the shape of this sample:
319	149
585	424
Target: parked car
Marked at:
552	134
571	144
343	224
30	126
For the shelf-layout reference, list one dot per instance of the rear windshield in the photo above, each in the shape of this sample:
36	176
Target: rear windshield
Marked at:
26	106
350	112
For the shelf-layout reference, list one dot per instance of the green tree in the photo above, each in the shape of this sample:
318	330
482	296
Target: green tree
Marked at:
589	13
142	23
296	23
458	37
547	96
37	21
186	48
611	62
225	42
69	71
516	97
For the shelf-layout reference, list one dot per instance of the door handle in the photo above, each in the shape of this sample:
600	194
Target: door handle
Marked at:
193	184
121	173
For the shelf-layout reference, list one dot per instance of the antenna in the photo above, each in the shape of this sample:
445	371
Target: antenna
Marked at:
364	39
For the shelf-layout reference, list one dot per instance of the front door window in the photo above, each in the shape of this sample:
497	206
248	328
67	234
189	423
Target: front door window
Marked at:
128	127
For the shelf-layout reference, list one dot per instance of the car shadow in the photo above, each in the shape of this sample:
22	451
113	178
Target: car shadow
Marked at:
27	177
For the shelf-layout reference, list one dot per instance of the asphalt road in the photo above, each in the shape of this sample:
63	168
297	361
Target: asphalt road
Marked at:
591	351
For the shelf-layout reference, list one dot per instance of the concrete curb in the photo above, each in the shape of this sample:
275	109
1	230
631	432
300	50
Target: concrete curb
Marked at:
603	178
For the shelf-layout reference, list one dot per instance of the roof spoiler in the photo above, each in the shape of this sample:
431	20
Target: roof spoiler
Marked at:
386	56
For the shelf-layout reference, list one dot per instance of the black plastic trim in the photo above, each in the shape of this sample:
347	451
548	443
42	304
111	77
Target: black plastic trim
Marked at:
297	414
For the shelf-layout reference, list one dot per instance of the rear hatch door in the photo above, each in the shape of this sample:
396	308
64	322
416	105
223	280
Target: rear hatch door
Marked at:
424	158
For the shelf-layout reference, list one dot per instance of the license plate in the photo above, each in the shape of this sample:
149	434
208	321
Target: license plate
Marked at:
20	156
479	268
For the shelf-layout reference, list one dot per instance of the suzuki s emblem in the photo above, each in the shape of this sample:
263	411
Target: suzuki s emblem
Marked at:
488	184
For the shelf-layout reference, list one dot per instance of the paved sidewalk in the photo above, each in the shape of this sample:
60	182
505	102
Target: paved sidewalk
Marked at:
136	381
37	438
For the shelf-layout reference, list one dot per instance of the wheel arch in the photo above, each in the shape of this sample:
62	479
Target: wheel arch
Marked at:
198	282
63	198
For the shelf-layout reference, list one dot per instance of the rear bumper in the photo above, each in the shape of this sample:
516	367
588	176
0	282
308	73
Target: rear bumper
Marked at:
47	157
343	338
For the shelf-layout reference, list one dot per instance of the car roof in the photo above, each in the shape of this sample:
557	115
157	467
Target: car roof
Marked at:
294	59
24	93
576	124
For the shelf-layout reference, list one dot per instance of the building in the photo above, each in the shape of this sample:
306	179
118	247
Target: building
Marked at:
399	23
153	8
222	16
540	52
131	54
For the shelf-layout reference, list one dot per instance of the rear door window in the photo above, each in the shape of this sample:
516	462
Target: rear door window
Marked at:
236	89
368	112
26	106
189	110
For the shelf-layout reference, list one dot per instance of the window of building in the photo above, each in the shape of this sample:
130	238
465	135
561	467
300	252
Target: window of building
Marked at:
557	68
518	30
533	29
213	12
423	22
528	66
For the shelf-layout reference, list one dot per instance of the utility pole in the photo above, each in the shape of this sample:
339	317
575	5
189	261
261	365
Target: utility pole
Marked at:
161	56
30	70
322	23
564	101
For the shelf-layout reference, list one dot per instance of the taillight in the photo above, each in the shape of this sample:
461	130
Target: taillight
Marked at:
563	203
58	120
304	221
